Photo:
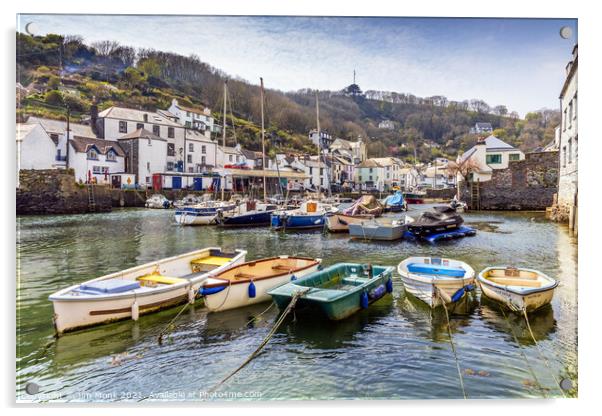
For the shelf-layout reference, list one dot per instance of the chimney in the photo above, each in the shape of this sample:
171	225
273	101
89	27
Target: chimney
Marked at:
94	117
145	117
481	140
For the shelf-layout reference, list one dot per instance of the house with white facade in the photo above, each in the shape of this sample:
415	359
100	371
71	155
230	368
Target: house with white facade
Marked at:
35	148
482	128
356	152
289	163
94	160
368	175
193	118
324	139
57	131
568	143
146	155
115	122
317	171
200	153
489	154
386	125
253	159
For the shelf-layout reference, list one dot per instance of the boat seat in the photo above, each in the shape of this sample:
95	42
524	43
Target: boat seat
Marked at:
108	286
324	294
244	276
151	279
281	267
432	269
212	260
354	280
513	281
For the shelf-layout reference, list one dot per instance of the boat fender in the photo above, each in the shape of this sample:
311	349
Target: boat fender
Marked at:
377	292
342	222
320	267
206	291
293	278
364	300
458	295
470	287
191	295
135	311
252	290
389	285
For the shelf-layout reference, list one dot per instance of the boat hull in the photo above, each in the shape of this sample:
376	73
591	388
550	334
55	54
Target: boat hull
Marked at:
236	295
191	218
297	222
340	222
247	220
335	305
436	286
381	233
71	314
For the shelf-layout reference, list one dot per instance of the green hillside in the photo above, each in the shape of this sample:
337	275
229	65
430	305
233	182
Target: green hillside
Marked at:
61	72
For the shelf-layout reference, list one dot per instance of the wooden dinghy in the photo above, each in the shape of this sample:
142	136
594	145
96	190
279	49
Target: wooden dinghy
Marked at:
249	283
518	288
139	290
436	280
339	222
338	291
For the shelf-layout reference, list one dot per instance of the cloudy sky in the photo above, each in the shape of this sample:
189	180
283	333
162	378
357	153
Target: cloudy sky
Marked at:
516	62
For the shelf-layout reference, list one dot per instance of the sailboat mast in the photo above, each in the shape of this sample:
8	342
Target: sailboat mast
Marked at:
319	141
265	199
224	142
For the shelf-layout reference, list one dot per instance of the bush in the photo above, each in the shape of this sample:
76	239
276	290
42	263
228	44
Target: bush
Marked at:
54	97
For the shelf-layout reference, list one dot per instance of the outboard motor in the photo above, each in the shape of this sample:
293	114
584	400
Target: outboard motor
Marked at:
367	269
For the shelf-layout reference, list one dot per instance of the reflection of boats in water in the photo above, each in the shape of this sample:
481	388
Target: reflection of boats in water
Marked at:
432	323
542	322
233	323
318	333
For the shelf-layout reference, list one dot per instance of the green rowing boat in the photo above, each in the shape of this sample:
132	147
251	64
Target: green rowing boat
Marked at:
337	291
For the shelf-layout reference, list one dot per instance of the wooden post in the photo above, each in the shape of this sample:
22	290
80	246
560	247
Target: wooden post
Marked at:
223	182
265	199
319	142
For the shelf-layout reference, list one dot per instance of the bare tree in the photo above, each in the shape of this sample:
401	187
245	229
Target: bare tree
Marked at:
464	167
105	47
500	110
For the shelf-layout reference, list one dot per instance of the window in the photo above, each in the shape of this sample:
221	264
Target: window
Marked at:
203	160
150	142
139	126
170	132
191	169
111	156
123	127
148	179
570	150
321	171
92	154
54	137
148	166
514	156
237	158
189	158
96	170
564	121
231	159
199	168
187	124
575	113
187	113
570	117
311	171
169	166
493	159
564	156
191	147
171	149
157	130
203	149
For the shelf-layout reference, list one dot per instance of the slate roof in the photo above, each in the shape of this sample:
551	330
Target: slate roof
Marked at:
60	127
83	144
122	113
141	134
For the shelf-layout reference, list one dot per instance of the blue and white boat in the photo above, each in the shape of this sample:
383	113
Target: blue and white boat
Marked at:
310	215
248	214
395	203
202	214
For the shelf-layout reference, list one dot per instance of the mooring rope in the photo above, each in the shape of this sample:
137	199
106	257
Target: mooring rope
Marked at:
451	341
270	334
541	354
522	351
259	315
170	323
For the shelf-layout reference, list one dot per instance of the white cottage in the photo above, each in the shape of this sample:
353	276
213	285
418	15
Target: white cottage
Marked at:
193	118
94	160
146	155
489	154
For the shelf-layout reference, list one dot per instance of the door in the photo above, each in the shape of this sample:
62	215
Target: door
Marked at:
157	185
116	181
198	184
176	182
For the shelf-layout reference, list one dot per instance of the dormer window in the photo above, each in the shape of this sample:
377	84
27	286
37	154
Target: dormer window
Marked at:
111	156
93	154
123	127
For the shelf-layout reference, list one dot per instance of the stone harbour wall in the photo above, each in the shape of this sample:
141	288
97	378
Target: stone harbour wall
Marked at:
54	191
528	184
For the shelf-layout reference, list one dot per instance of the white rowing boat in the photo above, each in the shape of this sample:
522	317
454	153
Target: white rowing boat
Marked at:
435	280
139	290
249	283
519	288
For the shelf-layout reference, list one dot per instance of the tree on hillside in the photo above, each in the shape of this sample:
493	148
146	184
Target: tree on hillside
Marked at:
464	168
500	110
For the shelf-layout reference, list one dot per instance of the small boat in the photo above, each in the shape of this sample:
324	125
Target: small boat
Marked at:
381	229
519	288
338	291
459	232
202	214
157	201
247	214
249	283
395	203
339	222
187	201
441	219
139	290
365	205
458	206
414	198
435	280
310	215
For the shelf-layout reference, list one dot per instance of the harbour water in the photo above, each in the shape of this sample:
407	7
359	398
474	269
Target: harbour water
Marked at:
397	349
